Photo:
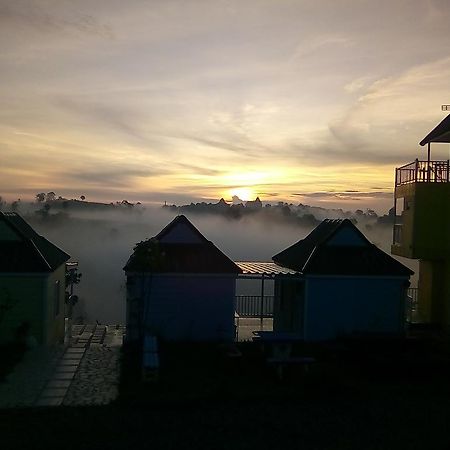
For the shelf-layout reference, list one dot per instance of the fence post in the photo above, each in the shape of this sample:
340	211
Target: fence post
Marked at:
262	303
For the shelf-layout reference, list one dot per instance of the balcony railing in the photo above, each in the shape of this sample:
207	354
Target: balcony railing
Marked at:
412	297
254	306
262	307
423	172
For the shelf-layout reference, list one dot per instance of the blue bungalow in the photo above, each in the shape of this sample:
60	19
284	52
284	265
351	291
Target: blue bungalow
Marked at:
180	287
345	285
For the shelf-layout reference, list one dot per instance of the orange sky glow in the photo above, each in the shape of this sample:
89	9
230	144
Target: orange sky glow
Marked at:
298	101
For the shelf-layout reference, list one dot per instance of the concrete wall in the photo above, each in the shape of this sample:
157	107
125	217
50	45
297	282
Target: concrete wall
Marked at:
426	221
185	308
343	305
32	299
55	314
24	295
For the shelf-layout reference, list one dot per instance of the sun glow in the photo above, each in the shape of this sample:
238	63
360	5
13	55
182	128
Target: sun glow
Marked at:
244	193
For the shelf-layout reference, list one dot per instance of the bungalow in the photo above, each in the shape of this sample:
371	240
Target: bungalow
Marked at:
32	283
345	285
180	287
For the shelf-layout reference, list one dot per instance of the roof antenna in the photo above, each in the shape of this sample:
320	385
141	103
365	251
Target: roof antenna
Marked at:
445	107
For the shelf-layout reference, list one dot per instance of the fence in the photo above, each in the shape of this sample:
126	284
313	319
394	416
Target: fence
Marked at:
412	313
254	306
262	307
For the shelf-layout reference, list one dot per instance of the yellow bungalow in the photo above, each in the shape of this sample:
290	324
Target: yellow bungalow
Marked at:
422	226
32	284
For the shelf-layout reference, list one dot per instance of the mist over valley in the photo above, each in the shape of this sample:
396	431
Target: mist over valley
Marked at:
101	237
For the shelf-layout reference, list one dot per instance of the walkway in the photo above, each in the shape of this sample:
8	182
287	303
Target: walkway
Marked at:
84	373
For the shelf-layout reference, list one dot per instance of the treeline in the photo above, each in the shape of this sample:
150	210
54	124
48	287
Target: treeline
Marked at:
304	215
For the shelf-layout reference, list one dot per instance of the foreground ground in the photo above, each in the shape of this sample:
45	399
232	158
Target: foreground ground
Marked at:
385	397
387	419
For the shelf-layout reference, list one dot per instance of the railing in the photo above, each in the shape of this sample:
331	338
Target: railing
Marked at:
423	172
254	306
412	297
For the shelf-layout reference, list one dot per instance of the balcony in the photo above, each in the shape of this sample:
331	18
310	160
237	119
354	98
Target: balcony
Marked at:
421	205
423	172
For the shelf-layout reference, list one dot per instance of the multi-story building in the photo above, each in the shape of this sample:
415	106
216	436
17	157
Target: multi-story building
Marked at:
422	226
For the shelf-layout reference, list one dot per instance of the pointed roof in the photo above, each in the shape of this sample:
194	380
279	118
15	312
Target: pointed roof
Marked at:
24	250
441	133
337	247
180	248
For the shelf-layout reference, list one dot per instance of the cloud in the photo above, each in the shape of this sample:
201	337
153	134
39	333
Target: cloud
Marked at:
385	124
241	150
346	195
117	119
357	84
199	170
38	16
113	177
309	46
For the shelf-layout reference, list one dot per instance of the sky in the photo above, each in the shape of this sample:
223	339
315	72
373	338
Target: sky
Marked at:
304	101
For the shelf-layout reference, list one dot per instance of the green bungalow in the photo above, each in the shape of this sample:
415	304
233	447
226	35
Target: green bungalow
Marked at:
32	284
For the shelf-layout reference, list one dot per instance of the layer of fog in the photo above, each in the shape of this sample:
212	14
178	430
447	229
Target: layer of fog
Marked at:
103	241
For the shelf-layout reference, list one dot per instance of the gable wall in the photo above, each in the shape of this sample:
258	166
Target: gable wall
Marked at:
55	322
25	294
342	306
192	308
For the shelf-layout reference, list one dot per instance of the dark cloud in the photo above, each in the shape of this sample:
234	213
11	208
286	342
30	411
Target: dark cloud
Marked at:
116	177
269	194
116	119
346	195
37	15
249	150
335	154
198	169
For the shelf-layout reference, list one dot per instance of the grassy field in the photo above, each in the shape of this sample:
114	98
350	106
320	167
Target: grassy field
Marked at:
357	396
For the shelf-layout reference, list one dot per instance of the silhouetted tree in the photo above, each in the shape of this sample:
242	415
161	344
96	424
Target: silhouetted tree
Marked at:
51	196
15	205
40	197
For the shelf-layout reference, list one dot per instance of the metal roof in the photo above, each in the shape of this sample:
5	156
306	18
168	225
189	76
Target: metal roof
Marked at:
178	255
28	252
440	133
266	268
314	254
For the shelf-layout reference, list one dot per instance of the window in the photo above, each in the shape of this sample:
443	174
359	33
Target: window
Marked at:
56	297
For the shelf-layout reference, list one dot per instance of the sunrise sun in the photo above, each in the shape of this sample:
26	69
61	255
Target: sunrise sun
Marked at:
244	193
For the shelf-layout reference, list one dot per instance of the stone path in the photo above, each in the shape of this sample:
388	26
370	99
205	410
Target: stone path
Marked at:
84	373
96	380
25	383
